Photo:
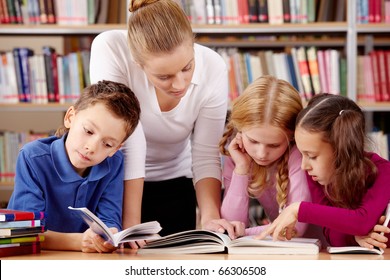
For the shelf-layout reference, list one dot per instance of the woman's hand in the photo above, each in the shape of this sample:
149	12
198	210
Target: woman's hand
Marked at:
283	227
92	242
239	156
375	238
233	228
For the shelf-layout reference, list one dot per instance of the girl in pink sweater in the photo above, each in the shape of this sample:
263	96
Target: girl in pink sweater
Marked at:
349	186
261	160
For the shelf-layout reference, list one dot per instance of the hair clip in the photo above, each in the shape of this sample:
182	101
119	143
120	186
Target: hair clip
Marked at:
341	112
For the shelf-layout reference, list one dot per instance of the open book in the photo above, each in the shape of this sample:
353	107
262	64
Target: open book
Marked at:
358	249
203	241
142	231
354	250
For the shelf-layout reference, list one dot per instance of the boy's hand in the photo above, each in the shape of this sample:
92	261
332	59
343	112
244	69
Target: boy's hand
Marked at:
92	242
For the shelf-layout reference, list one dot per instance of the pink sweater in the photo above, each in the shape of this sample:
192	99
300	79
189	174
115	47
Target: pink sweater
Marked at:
235	204
340	224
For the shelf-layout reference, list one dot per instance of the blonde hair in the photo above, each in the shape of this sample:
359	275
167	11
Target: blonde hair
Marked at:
156	26
270	101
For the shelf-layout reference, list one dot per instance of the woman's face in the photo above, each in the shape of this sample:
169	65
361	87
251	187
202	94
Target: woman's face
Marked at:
171	73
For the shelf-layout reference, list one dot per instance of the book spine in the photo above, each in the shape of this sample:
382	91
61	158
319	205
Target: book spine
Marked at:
20	216
28	248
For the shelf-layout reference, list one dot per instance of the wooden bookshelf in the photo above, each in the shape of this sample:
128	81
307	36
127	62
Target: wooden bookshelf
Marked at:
346	35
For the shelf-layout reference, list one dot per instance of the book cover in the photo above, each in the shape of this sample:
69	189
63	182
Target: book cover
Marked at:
204	241
17	215
142	231
21	249
8	232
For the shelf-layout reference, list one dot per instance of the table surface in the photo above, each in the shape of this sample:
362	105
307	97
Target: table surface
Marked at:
128	254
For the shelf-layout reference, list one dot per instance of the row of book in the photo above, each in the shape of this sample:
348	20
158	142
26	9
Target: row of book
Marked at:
63	12
21	232
373	76
373	11
10	144
42	78
308	69
264	11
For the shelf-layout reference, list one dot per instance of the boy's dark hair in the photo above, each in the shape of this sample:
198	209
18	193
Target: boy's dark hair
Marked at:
118	98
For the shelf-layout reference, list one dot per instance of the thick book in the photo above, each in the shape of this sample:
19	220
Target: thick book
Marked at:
8	232
204	241
142	231
20	249
17	215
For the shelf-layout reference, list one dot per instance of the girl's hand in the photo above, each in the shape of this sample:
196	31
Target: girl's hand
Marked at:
374	238
233	228
92	242
283	227
238	154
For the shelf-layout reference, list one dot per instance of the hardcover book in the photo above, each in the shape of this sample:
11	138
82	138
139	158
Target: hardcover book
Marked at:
17	215
203	241
142	231
20	249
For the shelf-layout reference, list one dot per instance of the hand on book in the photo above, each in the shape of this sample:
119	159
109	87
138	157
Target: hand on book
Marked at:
234	229
375	238
283	227
92	242
137	244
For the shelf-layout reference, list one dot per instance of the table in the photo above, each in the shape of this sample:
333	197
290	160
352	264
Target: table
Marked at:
129	254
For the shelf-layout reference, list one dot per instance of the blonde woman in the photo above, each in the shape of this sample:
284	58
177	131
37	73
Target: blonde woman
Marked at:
172	161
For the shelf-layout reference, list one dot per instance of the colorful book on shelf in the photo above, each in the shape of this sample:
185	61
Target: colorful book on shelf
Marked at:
8	232
275	11
20	249
21	224
23	239
142	231
263	11
17	215
203	241
312	60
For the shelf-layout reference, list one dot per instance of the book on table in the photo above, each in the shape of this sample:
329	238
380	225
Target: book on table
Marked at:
21	224
354	250
24	231
17	215
144	231
15	249
204	241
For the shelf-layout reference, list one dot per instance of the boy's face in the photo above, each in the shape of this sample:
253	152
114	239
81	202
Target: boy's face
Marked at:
94	134
317	155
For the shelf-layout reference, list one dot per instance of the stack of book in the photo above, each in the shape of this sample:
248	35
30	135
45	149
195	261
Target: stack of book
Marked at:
20	232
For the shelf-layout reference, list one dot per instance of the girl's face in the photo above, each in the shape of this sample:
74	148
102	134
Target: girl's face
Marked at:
317	155
94	134
265	144
171	73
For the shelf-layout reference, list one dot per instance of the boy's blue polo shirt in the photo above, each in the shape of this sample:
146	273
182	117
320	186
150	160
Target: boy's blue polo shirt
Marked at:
46	181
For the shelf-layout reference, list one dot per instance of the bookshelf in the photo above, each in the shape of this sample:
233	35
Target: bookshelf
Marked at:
347	36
